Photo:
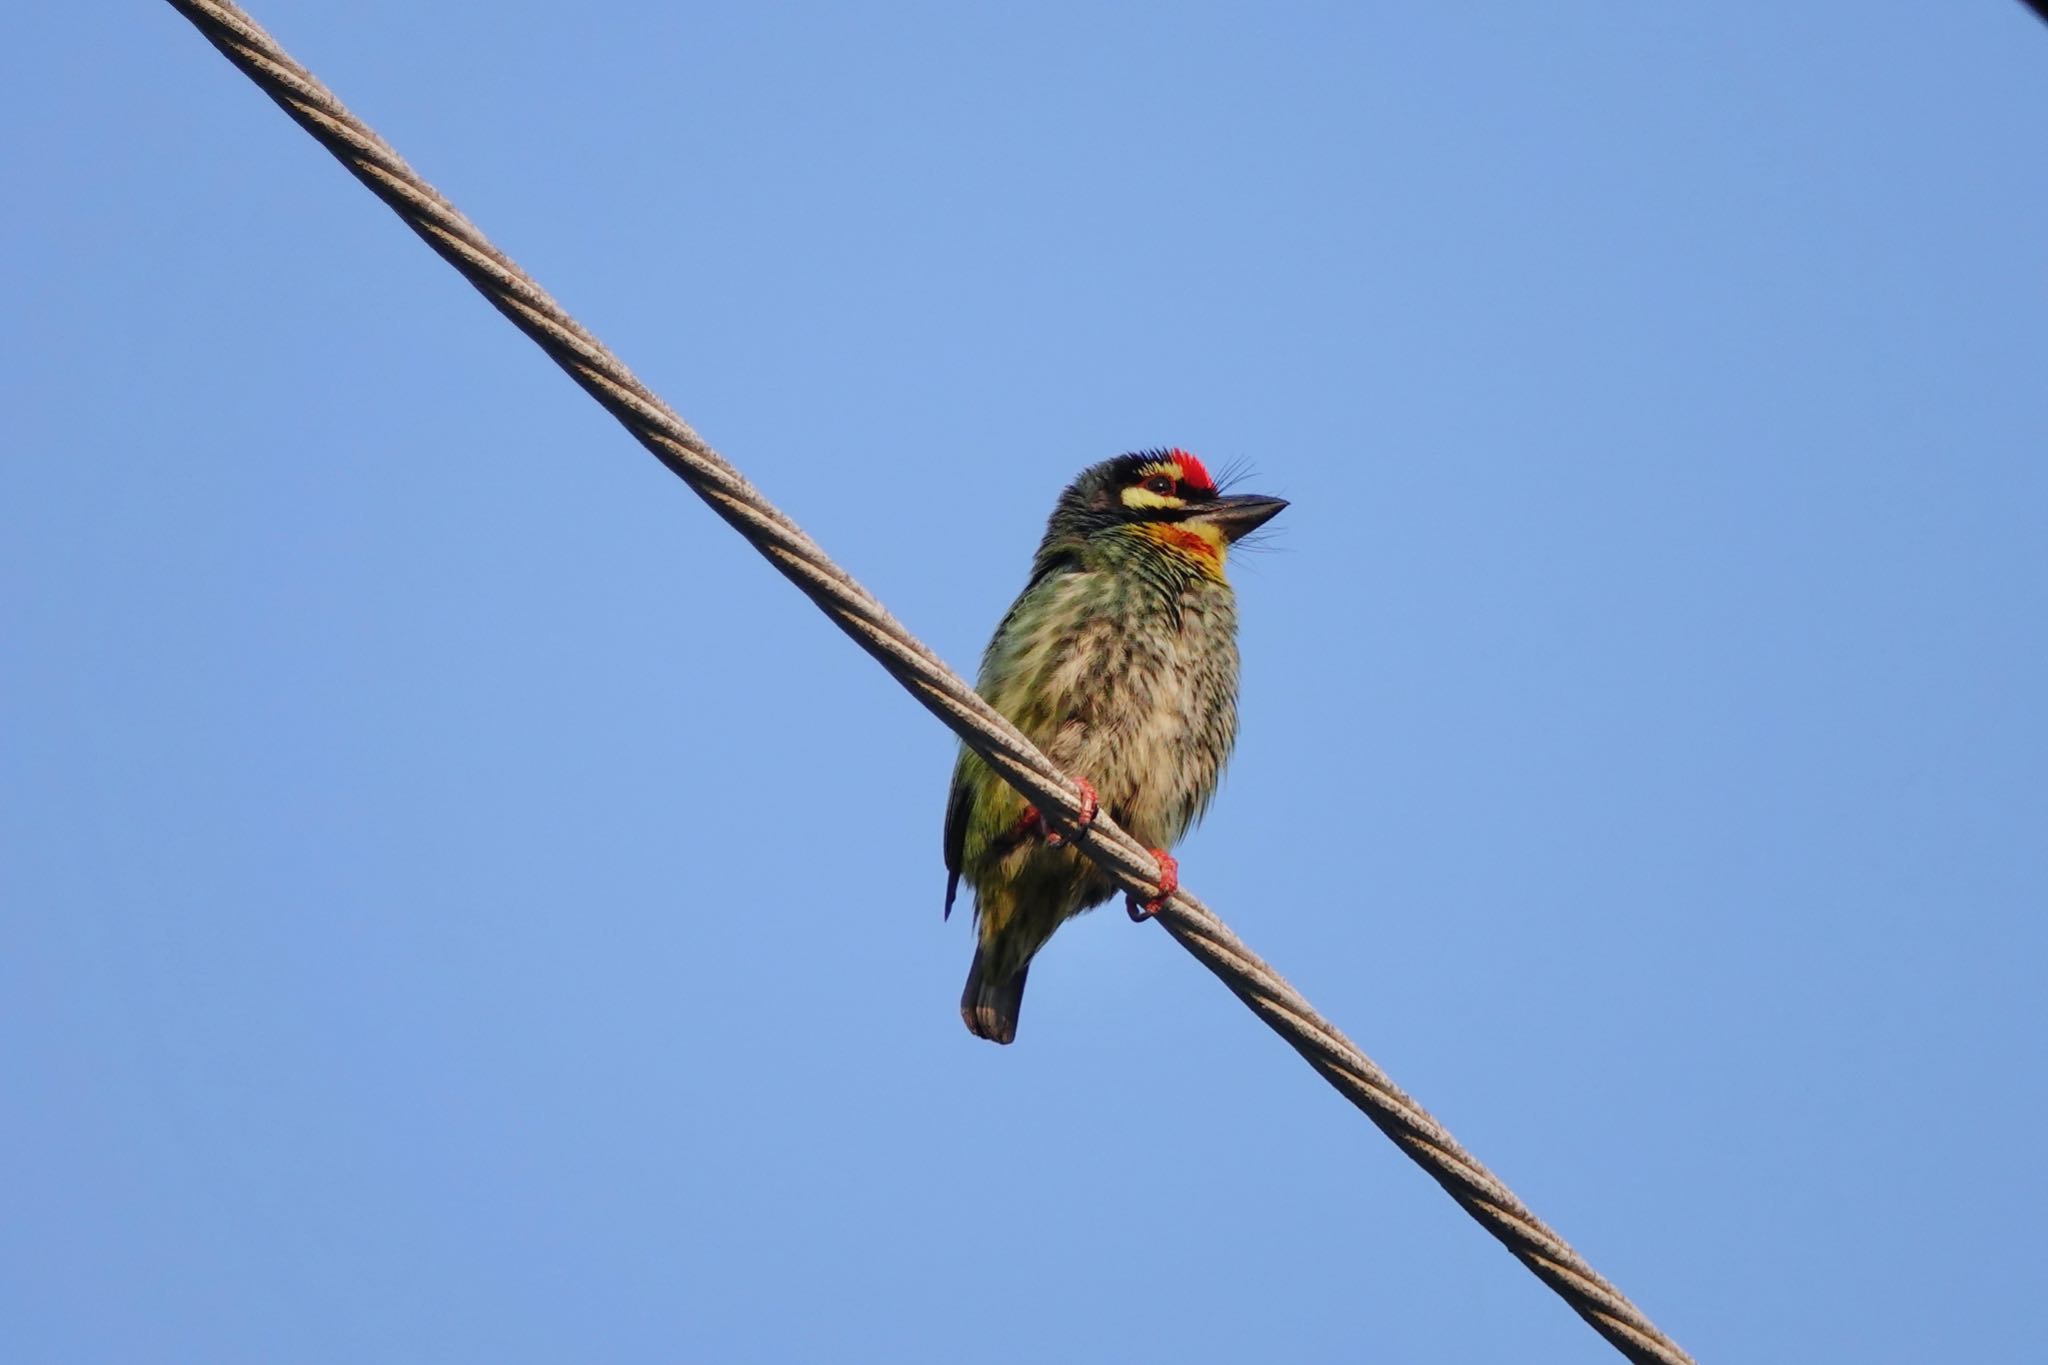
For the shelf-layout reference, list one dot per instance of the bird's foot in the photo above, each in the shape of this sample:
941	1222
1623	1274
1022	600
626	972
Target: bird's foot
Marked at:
1169	882
1090	808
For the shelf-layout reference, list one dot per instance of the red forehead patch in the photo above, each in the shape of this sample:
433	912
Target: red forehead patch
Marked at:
1193	472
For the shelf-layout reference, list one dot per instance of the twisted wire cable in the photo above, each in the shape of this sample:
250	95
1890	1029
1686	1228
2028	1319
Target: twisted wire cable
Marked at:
670	439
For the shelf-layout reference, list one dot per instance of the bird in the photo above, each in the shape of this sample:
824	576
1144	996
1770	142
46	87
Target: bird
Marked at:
1119	661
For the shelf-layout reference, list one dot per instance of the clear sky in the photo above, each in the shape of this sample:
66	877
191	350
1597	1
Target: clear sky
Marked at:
458	905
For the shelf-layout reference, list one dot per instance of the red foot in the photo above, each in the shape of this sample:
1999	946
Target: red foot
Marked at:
1169	882
1090	808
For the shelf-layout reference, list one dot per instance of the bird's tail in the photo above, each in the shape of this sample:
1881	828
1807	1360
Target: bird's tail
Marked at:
990	1005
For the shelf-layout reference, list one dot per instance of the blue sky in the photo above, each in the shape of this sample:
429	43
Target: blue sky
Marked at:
457	904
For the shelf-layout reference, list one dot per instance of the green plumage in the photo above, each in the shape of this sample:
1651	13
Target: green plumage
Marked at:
1119	660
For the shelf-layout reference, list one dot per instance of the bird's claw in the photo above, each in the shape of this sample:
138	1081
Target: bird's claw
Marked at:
1090	808
1169	882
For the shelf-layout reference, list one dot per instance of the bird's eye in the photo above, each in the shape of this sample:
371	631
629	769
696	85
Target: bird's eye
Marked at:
1159	484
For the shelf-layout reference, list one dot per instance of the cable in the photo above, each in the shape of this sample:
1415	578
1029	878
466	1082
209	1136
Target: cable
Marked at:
371	160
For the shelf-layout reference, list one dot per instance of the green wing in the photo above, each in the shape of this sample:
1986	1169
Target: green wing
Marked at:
958	805
960	801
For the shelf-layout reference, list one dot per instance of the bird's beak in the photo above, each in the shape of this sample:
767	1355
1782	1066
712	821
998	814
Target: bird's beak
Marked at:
1238	516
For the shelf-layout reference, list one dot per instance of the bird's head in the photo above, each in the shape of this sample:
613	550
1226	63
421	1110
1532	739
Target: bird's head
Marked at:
1155	499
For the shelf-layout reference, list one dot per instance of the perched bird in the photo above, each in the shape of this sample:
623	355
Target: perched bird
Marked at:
1119	660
